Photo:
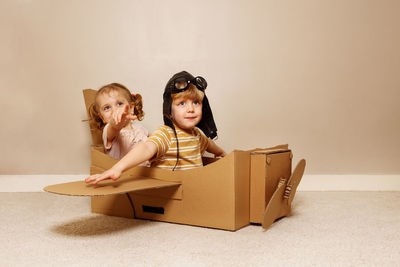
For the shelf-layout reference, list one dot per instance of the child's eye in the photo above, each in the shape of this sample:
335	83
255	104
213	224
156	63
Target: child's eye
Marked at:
181	103
196	102
106	108
120	104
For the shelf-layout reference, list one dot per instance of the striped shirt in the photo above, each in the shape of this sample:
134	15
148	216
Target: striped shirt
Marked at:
192	145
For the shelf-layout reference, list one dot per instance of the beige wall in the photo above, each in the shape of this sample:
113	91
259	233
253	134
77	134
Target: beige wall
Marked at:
323	76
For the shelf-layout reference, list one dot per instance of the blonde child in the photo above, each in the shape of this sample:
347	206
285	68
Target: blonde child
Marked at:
179	144
115	111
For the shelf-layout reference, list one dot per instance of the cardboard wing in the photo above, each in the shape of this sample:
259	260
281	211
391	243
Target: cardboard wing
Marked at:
104	188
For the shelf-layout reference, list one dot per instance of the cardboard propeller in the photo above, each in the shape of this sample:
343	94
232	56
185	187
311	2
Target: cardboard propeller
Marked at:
281	201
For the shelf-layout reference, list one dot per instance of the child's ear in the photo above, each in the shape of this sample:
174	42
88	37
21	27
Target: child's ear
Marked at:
101	117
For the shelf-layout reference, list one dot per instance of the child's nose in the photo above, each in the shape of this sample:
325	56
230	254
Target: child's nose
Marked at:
190	107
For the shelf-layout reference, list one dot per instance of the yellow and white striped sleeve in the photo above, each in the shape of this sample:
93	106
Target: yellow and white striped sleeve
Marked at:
162	139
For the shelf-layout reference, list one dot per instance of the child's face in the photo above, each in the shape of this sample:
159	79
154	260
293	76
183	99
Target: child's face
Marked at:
186	112
112	102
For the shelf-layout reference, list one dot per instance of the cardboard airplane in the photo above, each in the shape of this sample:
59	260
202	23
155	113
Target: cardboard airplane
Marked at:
254	186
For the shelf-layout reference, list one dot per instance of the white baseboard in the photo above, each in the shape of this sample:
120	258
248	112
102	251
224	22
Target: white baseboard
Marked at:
350	183
36	183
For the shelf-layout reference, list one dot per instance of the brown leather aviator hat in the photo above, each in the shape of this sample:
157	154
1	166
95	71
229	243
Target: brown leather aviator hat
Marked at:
206	124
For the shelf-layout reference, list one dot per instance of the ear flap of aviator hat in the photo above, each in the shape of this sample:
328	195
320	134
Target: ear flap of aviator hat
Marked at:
206	124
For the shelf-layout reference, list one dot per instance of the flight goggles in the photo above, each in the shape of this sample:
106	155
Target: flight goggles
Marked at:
182	84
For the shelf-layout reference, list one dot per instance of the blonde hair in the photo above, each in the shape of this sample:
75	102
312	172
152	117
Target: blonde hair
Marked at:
191	93
136	99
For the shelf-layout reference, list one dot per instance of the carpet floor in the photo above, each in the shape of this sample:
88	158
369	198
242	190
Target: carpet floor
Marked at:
324	229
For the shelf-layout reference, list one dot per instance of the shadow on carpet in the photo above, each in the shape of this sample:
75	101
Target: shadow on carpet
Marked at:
97	225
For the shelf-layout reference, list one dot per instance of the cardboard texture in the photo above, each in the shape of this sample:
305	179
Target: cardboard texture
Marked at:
228	193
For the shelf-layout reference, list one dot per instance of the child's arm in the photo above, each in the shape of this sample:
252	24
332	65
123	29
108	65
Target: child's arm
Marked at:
119	120
140	153
215	149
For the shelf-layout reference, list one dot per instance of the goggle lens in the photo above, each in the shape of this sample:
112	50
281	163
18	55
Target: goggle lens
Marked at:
181	85
201	82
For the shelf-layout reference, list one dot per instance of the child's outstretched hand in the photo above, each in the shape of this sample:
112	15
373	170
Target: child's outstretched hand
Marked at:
109	174
121	118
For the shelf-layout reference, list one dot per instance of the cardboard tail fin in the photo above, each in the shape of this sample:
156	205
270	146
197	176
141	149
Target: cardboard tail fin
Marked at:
281	201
